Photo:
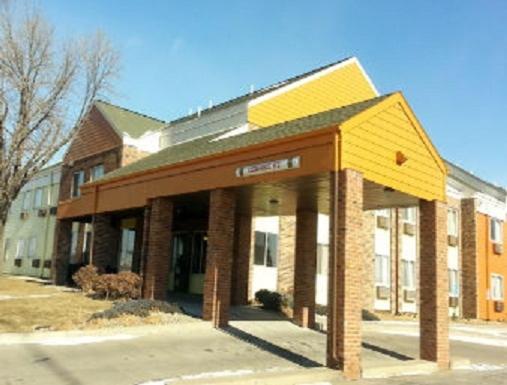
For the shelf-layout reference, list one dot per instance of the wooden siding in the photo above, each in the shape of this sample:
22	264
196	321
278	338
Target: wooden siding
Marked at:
93	137
371	140
345	85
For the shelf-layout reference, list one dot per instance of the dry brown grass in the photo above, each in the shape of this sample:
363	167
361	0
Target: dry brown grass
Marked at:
56	309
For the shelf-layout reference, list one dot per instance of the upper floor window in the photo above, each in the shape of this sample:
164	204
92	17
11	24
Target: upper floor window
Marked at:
266	249
408	214
496	230
77	181
37	197
26	201
96	172
452	222
497	287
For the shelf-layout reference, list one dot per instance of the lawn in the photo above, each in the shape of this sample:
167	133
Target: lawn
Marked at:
26	306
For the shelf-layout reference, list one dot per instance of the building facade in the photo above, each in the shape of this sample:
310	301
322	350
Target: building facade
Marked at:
29	231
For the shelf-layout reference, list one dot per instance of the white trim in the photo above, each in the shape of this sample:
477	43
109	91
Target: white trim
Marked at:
490	206
307	79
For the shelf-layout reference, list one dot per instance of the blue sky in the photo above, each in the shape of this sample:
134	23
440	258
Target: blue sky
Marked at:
448	57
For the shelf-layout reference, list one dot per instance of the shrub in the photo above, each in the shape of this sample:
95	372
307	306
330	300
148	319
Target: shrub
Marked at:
139	308
125	285
270	300
85	278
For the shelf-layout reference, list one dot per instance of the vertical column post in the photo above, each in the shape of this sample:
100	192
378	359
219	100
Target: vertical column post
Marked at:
158	260
434	291
217	280
305	268
287	248
106	239
469	292
241	262
60	263
345	265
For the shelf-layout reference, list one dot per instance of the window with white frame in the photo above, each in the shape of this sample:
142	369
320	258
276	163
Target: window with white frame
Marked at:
497	287
408	267
408	215
96	172
32	248
266	249
26	201
382	270
452	222
453	283
20	248
37	197
77	181
496	230
322	258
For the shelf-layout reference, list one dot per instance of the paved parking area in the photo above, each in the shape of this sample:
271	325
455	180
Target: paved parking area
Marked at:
197	351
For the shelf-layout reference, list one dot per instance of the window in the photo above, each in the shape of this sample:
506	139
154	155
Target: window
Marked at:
408	214
7	246
408	274
77	181
322	258
497	288
265	249
73	244
20	249
199	253
26	201
453	283
382	270
37	197
496	230
452	222
32	247
128	237
97	172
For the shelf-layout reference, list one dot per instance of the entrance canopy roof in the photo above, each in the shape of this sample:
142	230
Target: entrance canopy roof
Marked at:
379	137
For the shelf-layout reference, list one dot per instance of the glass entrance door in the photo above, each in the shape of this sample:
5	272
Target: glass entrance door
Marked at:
189	261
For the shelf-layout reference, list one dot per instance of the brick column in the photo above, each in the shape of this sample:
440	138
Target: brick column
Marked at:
138	245
217	280
106	238
61	255
287	247
305	266
241	277
145	238
158	259
469	257
434	291
345	264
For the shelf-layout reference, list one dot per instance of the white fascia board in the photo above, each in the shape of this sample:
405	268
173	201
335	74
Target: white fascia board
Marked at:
490	206
300	82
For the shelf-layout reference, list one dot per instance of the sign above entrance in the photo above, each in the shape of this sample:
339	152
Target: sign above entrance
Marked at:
267	167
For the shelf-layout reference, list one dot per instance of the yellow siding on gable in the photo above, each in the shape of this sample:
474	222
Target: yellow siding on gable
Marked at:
371	145
345	85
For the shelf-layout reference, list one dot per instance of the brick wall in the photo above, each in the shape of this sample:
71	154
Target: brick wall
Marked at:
241	270
368	272
106	238
469	257
287	236
60	260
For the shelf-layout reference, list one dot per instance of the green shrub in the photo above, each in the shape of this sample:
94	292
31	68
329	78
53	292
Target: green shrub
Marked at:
139	308
85	278
270	300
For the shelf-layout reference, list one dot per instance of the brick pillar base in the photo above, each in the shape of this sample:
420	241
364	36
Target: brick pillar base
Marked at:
106	237
158	259
60	263
241	262
345	265
434	292
305	268
469	257
217	281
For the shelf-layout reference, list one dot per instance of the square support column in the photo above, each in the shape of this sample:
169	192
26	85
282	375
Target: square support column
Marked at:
434	290
217	280
287	248
470	258
106	238
60	263
158	260
305	268
241	275
345	266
